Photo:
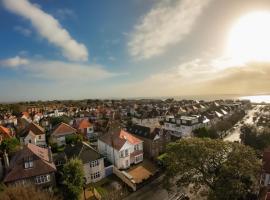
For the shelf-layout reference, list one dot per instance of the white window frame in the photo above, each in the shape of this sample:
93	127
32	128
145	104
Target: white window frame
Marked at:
95	175
42	179
94	163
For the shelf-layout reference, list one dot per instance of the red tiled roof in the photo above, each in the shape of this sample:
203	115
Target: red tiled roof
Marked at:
63	129
5	131
118	138
41	163
130	138
84	124
26	114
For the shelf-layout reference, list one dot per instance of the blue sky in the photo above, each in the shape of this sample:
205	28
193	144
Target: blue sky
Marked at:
62	49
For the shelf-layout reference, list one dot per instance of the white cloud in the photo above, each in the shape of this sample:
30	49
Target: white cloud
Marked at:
22	30
48	27
14	62
57	70
166	24
64	71
65	13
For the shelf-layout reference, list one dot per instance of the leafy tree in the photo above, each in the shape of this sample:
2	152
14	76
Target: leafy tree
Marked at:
9	145
73	177
204	132
73	139
227	170
250	136
26	192
57	120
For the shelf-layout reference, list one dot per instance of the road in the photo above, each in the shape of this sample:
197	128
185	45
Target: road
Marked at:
234	134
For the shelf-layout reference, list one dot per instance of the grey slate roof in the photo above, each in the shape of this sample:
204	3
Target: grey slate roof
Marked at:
83	151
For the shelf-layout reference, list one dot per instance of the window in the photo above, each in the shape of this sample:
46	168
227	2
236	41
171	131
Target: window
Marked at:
127	163
94	163
126	152
28	162
42	179
39	137
95	175
121	154
138	158
136	147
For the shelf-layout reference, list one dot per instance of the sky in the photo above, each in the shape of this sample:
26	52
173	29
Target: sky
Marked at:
65	49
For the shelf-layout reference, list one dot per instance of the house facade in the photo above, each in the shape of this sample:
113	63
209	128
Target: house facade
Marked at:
184	125
84	127
154	139
121	148
33	134
32	164
93	162
60	133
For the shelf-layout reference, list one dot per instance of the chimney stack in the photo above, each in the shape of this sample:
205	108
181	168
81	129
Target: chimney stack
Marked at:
50	154
6	160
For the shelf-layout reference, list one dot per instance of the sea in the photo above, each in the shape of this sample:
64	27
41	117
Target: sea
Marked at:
257	98
252	98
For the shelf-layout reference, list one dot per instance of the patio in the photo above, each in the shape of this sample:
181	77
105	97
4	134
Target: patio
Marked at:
142	171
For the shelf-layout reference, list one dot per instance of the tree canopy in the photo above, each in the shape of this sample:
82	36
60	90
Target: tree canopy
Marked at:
206	133
74	139
9	145
227	170
73	176
251	136
57	120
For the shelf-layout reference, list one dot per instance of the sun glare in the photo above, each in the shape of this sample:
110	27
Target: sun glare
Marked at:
249	39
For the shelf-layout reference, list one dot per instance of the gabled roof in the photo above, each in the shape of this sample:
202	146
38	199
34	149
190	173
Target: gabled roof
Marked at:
63	129
34	128
117	137
83	151
82	124
130	138
41	163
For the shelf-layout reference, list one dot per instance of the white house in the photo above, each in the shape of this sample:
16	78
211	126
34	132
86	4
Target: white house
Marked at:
146	121
183	126
93	162
33	134
121	148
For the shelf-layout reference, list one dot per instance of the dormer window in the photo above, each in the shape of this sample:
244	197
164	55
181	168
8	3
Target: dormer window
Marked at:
94	163
28	162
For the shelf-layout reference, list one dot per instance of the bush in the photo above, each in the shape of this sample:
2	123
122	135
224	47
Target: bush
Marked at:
73	139
206	133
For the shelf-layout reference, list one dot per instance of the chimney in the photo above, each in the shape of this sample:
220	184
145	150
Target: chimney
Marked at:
6	160
50	154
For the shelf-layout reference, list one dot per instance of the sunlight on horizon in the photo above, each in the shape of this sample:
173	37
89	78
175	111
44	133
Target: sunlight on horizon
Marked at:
249	38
